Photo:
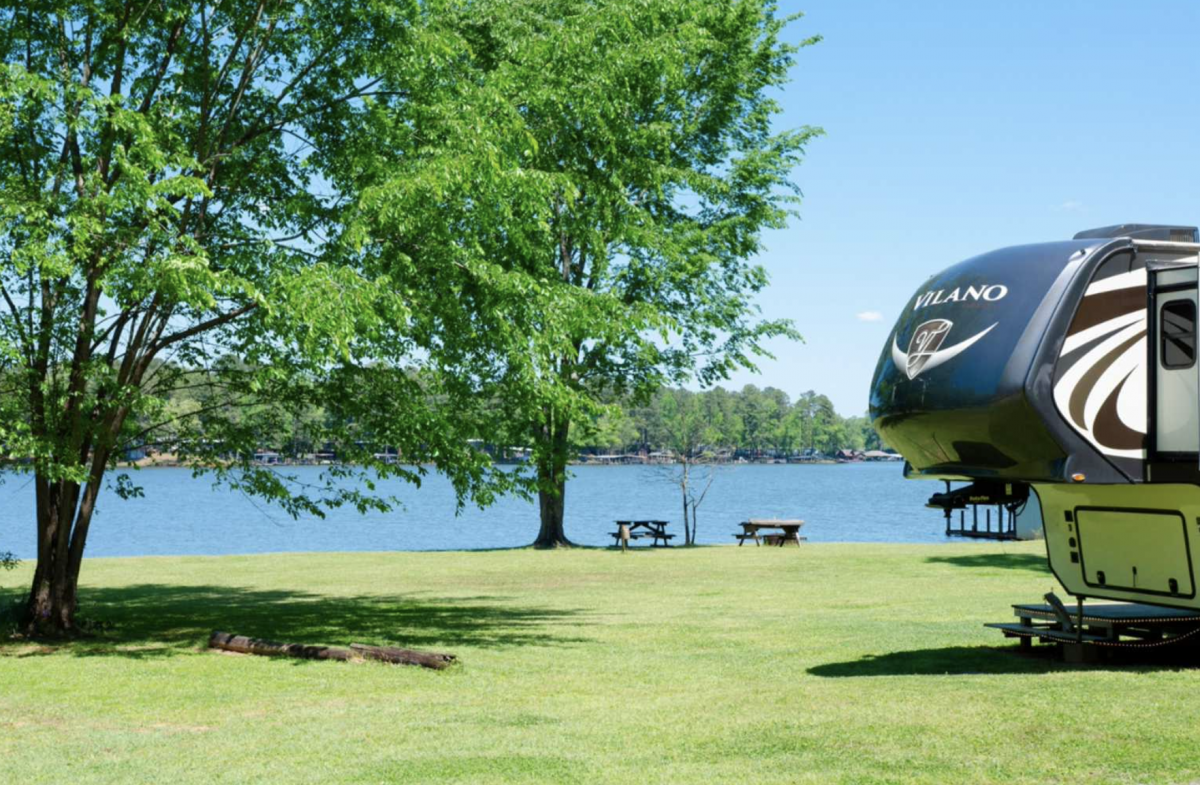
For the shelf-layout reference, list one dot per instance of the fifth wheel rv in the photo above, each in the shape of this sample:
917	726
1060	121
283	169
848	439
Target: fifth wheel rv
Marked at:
1065	370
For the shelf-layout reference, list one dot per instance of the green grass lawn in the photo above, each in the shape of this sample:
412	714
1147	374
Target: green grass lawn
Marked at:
832	663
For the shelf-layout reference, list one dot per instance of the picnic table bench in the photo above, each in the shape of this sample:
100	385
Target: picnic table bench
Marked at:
655	531
781	531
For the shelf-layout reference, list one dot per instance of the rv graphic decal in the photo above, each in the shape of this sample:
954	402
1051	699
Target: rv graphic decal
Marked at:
990	294
924	352
1100	384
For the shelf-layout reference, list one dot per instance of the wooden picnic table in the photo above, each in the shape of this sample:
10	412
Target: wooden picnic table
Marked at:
784	531
653	530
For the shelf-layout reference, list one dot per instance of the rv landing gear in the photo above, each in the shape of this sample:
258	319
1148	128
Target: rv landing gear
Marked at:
1088	632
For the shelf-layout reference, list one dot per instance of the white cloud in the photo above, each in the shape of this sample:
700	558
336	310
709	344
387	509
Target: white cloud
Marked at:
1070	206
869	316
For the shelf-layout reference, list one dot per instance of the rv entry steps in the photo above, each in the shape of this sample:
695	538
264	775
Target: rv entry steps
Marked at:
1107	625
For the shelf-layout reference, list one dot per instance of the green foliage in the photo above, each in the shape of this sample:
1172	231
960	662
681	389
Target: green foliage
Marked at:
603	173
719	423
372	226
684	428
172	274
181	189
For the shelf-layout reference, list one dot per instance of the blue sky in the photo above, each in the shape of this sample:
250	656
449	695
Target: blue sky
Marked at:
953	128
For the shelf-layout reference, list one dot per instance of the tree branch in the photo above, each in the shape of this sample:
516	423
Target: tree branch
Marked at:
202	327
161	73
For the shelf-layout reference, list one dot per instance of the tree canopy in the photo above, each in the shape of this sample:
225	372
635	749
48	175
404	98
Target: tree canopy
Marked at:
180	197
622	166
405	222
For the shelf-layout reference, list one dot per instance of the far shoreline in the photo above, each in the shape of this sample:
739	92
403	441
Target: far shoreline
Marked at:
981	543
149	463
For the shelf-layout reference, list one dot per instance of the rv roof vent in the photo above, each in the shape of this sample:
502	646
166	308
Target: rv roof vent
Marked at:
1174	234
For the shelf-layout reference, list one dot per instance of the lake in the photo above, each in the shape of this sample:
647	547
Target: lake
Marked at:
180	515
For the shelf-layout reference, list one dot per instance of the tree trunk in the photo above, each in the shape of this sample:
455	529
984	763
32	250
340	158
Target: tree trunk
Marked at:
683	485
550	506
50	609
63	518
552	485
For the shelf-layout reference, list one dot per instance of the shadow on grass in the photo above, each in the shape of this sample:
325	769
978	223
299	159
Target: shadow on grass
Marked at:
1030	562
149	620
949	661
982	660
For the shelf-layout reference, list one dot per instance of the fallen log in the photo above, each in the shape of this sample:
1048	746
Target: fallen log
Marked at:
245	645
405	656
242	644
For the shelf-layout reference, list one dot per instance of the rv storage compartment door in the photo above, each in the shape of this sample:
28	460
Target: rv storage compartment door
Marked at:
1177	406
1144	551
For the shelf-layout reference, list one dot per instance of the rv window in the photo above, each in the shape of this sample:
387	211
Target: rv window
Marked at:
1178	334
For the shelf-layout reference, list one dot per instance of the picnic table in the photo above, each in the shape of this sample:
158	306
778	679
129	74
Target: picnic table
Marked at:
780	531
655	531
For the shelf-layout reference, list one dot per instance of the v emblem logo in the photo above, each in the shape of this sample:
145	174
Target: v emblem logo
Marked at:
924	349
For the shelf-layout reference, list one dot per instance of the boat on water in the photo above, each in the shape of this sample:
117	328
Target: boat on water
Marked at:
1066	371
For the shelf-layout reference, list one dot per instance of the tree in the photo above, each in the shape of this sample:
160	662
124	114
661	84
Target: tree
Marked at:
613	430
686	432
650	123
828	432
723	410
870	438
789	431
857	434
758	412
179	210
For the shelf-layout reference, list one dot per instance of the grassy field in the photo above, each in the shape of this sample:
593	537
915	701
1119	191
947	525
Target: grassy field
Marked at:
834	663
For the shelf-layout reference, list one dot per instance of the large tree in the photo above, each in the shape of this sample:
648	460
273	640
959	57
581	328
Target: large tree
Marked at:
643	134
180	204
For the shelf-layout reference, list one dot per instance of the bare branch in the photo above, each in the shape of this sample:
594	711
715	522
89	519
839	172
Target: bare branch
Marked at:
26	348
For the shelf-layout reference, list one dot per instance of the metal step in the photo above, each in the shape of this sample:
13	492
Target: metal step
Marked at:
1121	625
1047	633
1118	612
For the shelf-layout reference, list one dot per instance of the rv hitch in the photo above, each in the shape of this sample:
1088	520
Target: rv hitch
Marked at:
1008	499
987	493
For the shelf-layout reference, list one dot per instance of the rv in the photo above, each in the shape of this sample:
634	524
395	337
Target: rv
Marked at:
1065	371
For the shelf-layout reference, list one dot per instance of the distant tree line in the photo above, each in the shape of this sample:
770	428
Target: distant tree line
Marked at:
752	422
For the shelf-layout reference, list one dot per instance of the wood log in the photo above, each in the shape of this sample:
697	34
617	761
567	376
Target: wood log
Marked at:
405	656
242	644
245	645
